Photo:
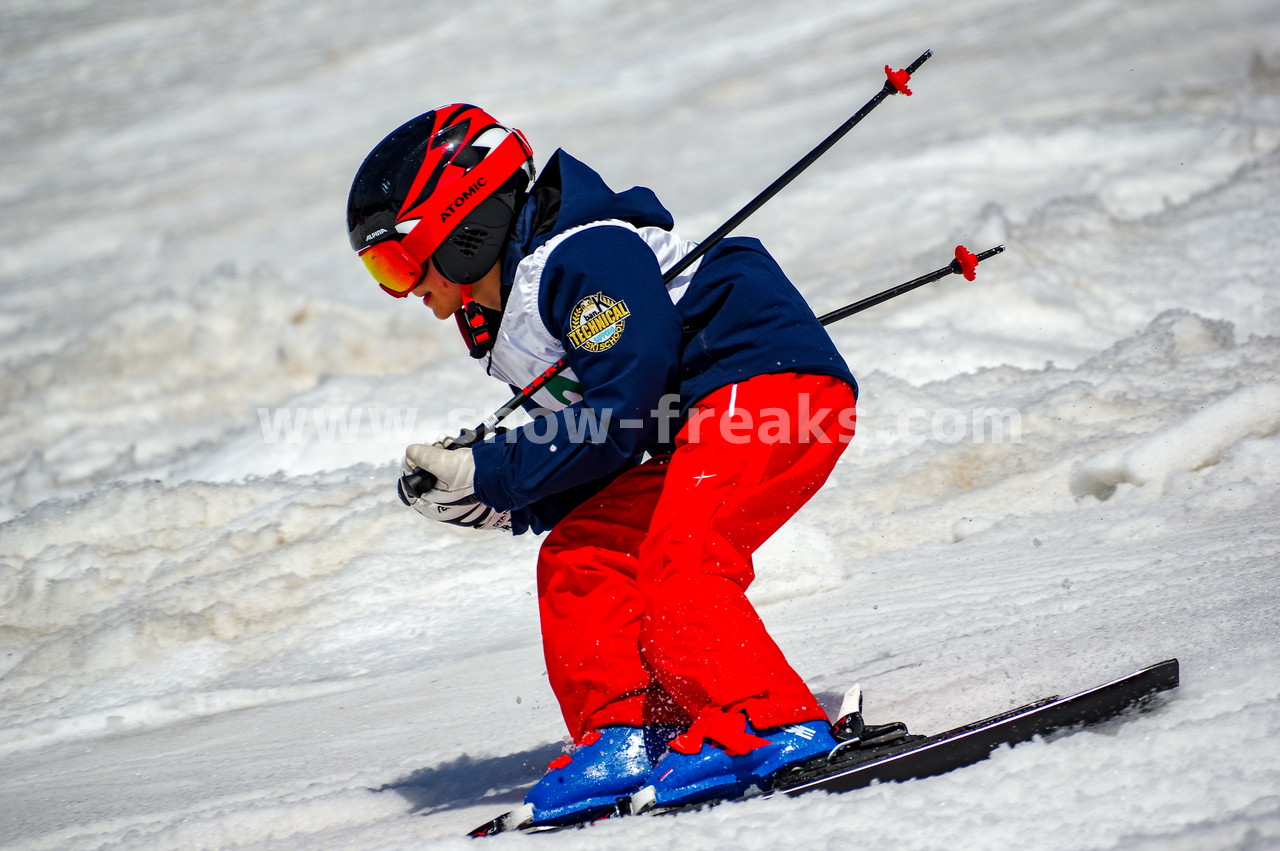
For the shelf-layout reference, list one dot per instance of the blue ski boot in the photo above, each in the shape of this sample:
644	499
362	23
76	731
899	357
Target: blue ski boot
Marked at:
726	758
608	764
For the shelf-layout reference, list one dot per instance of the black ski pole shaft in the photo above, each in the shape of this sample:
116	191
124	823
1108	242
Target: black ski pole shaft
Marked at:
896	82
955	267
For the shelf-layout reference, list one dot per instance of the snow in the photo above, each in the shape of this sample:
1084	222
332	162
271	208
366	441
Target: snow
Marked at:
220	629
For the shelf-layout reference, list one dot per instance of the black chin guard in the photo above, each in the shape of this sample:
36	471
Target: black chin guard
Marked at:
475	245
474	248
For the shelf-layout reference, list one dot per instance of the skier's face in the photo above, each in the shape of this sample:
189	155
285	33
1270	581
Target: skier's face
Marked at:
438	293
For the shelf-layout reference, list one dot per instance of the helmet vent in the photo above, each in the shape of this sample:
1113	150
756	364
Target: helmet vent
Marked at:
468	241
470	157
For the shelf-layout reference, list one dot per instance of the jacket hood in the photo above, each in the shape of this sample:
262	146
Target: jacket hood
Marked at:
569	193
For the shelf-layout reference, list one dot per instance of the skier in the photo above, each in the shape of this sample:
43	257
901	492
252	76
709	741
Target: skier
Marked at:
694	418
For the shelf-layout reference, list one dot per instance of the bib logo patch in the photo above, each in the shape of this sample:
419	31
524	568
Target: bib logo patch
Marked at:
596	322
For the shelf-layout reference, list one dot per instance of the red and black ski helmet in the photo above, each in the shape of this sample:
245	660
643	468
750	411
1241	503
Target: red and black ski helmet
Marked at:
443	187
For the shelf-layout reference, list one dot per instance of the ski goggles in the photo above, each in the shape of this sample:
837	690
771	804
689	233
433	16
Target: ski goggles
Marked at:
393	262
395	270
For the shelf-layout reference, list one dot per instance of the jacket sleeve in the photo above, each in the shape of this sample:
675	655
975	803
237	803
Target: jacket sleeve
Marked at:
603	296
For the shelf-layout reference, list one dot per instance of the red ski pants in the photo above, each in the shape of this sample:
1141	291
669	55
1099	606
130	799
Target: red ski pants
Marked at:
641	589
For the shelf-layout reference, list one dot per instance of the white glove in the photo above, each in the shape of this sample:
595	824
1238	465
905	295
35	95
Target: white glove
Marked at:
454	469
439	483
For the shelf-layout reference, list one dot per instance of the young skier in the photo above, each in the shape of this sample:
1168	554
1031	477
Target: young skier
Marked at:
694	418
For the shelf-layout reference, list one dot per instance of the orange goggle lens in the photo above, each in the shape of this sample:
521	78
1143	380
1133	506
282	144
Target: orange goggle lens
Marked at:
392	267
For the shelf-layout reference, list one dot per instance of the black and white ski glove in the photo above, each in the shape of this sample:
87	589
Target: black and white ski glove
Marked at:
438	482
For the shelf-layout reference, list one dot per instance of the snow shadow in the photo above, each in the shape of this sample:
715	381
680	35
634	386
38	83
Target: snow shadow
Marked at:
464	781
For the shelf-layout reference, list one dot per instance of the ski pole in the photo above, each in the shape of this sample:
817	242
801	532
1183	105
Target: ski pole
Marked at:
895	82
965	264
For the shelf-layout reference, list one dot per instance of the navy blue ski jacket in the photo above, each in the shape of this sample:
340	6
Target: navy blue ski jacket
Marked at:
645	359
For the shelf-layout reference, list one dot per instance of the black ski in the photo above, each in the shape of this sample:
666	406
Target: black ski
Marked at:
933	755
884	753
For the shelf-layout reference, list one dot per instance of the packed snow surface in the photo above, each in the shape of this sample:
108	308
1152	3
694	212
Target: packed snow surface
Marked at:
220	629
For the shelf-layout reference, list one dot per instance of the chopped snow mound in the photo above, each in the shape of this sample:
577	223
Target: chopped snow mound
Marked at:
1197	442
